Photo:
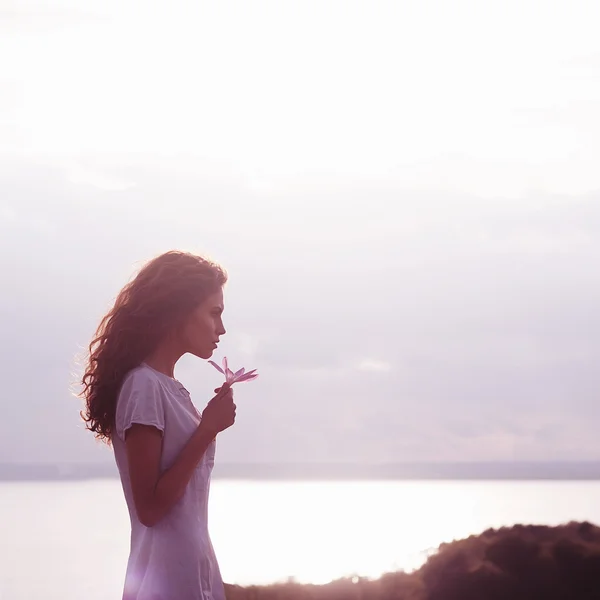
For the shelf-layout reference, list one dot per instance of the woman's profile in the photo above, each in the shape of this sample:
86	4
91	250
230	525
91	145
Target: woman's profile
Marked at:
164	448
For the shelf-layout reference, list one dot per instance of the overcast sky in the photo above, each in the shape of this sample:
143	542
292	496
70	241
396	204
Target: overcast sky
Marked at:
406	196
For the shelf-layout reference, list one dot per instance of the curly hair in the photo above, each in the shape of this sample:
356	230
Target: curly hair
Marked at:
160	297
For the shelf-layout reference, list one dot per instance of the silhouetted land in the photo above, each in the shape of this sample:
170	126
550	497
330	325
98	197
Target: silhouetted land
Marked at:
476	471
516	563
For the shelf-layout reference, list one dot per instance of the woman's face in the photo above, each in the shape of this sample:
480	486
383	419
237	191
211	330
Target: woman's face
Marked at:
204	327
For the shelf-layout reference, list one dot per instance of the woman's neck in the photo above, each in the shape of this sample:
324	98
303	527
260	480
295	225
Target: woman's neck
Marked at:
163	359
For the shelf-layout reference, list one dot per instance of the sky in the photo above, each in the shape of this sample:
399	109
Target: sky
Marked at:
406	196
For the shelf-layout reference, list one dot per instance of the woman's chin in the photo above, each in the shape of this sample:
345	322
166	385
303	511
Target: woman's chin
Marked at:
205	353
208	353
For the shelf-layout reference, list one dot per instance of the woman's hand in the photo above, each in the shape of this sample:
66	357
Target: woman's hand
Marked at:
219	413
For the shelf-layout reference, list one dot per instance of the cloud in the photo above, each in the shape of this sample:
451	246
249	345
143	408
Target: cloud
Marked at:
12	219
376	341
27	15
81	175
378	366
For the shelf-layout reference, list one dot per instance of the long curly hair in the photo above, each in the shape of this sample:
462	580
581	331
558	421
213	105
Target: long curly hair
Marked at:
160	297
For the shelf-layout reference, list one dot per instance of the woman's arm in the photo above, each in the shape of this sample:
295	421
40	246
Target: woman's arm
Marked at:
154	494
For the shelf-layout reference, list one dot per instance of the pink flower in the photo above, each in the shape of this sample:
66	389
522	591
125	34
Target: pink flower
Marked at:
230	376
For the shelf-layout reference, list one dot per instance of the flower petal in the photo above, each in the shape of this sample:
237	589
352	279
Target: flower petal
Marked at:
248	376
230	376
216	366
237	374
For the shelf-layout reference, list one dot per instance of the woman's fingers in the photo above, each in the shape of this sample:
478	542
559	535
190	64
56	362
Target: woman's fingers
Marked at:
221	391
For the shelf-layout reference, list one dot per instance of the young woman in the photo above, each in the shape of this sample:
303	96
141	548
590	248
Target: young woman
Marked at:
164	448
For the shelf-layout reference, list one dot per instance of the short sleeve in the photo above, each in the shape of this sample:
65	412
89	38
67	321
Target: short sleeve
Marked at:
141	401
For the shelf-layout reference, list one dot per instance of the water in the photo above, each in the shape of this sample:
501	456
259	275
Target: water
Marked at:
69	540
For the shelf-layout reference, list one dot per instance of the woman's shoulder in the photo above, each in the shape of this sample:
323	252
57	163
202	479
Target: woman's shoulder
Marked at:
141	379
140	375
141	399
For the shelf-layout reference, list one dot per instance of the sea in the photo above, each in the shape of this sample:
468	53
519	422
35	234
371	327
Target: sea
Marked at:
70	539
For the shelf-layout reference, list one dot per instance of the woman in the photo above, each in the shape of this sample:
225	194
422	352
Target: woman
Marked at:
164	448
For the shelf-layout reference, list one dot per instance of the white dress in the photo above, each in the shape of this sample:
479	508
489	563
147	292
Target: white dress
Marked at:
174	560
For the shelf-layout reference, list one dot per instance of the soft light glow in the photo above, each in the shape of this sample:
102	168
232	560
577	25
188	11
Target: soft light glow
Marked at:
470	95
319	531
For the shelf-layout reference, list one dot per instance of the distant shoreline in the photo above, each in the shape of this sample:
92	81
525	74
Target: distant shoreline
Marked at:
465	471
